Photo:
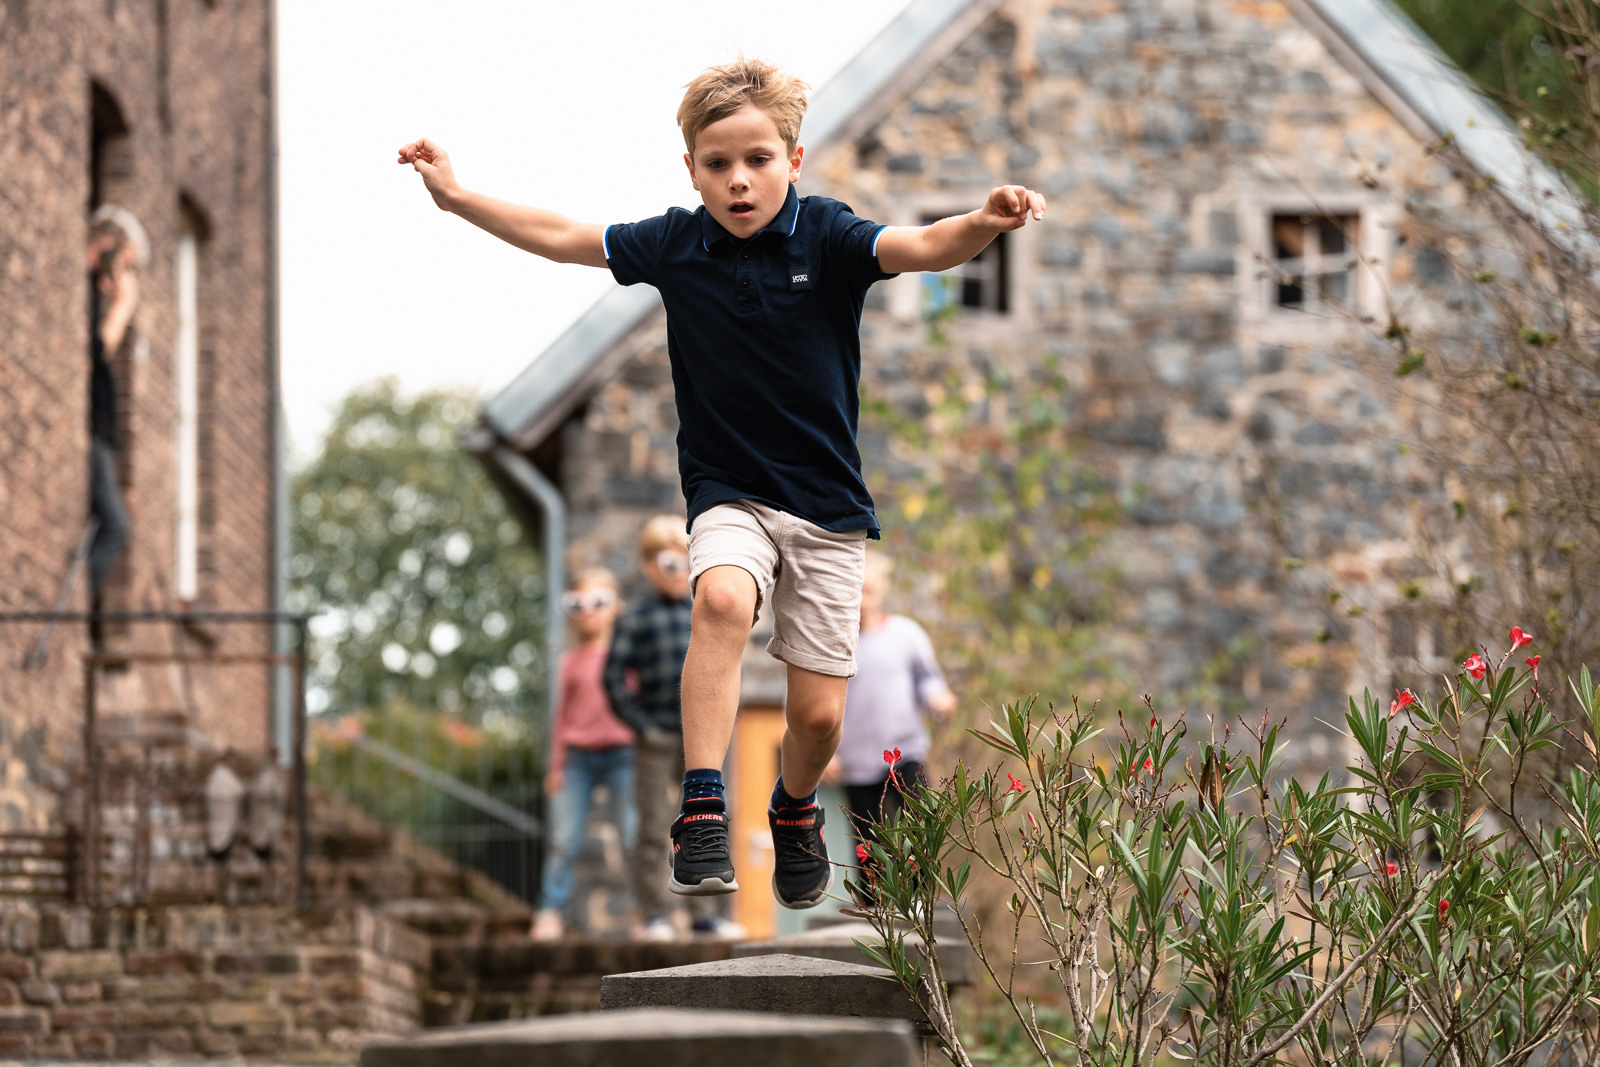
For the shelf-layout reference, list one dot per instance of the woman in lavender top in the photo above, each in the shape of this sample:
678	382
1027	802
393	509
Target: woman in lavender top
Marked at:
898	687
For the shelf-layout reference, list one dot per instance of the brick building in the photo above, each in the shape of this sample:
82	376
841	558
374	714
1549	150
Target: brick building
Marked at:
1230	183
166	108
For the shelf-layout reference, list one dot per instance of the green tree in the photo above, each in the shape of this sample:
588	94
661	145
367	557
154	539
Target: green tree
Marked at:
1503	45
427	588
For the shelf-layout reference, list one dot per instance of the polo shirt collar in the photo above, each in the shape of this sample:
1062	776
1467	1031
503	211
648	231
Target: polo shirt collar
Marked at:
782	224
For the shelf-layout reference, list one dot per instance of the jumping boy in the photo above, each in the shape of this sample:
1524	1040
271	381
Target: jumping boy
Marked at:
763	290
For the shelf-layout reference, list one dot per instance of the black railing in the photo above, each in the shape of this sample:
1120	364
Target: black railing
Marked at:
473	797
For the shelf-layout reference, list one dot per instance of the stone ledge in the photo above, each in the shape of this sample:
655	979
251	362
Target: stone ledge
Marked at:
781	984
660	1037
838	942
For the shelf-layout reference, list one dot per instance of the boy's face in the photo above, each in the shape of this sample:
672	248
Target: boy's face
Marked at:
668	571
742	170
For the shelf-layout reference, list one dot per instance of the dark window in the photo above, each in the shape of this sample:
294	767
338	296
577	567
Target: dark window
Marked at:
983	283
1314	261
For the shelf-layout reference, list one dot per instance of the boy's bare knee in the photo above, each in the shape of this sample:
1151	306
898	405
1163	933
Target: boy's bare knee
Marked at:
815	722
726	599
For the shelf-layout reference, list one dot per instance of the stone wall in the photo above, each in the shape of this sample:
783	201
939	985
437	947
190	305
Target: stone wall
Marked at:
477	980
212	982
192	82
1273	522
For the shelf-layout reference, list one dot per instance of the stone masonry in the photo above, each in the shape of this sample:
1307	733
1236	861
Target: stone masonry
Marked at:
177	97
1273	518
205	982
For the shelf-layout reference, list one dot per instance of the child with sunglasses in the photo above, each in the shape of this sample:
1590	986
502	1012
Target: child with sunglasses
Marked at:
589	747
648	649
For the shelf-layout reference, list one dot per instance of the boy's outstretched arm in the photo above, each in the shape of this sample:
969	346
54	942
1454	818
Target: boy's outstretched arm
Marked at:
544	233
953	241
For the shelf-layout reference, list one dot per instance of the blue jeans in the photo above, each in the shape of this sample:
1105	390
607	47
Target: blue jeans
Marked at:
569	814
105	504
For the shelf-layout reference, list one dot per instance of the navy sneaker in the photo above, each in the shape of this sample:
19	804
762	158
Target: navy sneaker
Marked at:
802	874
701	865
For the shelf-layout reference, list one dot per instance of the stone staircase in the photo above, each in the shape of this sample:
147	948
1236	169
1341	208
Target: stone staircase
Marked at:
792	1000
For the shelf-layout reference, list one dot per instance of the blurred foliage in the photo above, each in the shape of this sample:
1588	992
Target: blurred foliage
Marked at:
427	587
1500	44
1536	59
994	532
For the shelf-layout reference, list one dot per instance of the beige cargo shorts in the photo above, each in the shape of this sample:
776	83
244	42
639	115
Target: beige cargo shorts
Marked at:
810	577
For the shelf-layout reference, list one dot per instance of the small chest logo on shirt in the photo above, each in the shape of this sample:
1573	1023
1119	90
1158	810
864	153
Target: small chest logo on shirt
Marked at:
799	277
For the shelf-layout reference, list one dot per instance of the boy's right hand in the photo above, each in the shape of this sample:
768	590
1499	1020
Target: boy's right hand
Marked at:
433	163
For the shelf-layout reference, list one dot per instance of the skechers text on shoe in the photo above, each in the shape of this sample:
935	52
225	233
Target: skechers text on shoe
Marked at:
801	874
701	866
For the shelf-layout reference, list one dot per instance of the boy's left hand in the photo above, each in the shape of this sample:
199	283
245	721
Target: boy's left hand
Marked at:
1009	207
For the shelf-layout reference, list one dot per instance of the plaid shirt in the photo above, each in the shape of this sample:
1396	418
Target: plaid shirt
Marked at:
651	640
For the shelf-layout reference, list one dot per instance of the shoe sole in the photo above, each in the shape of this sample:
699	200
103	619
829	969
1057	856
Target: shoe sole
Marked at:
803	904
710	886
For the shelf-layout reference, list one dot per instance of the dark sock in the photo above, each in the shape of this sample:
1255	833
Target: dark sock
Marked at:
703	786
781	799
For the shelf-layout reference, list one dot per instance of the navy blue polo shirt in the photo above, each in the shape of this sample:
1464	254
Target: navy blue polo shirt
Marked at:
764	339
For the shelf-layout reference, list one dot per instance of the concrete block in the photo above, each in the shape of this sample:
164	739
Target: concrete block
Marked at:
778	983
661	1037
840	941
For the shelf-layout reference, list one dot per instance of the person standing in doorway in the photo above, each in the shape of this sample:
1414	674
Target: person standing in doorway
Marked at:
118	247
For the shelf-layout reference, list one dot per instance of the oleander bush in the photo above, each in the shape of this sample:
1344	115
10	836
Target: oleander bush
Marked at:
1170	895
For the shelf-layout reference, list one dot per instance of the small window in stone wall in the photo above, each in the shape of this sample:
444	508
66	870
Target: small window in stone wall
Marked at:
1314	259
983	283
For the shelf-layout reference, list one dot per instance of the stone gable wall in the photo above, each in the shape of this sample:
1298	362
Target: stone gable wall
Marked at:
1257	455
194	91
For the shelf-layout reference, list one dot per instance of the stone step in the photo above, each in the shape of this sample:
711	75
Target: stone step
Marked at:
839	941
659	1037
779	983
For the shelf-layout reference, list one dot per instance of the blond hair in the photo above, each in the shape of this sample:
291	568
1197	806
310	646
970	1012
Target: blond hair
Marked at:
662	531
112	220
721	91
595	576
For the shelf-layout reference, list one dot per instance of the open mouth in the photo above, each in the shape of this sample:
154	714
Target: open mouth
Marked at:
741	210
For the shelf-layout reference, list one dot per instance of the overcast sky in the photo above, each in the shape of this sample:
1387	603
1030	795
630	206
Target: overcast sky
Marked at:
567	106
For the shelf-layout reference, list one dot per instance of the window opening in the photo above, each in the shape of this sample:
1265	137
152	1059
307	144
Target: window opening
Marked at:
1314	261
982	283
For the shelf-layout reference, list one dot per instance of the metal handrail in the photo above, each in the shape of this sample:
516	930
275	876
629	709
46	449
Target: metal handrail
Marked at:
449	784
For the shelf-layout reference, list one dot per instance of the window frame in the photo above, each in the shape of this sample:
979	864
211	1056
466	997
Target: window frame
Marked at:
906	298
1261	313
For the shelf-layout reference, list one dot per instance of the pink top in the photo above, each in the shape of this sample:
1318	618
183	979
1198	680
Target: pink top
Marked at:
584	718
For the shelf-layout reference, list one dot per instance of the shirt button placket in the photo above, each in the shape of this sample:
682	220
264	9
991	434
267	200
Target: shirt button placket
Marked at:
747	289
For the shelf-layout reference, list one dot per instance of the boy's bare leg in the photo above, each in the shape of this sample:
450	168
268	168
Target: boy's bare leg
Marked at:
724	609
812	718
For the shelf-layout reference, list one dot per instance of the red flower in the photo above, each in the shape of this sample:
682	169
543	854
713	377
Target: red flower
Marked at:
1533	661
1031	820
1475	665
1520	637
1403	698
1017	785
1391	868
1149	764
862	854
891	757
1444	905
